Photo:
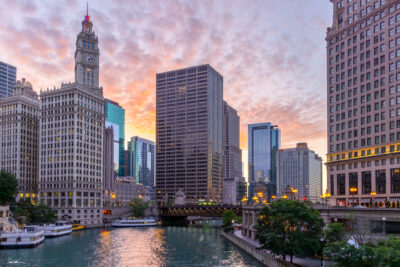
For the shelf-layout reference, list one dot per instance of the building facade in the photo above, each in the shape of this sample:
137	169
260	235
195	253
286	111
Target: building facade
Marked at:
189	134
234	190
264	142
231	141
8	78
363	84
108	162
300	168
115	117
19	133
71	138
142	161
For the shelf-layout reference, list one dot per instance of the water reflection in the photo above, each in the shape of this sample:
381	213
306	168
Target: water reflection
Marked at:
169	246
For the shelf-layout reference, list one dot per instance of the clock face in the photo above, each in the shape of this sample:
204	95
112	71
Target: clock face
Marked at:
89	59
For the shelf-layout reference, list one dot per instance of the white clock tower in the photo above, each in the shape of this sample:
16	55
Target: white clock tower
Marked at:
87	55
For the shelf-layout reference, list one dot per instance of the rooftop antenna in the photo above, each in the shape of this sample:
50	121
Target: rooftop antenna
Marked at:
87	8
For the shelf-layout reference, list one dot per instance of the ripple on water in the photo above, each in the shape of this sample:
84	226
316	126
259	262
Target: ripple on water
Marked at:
153	246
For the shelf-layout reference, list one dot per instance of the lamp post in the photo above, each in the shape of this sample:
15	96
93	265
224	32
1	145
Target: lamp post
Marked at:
327	195
294	192
373	194
284	197
322	198
322	251
353	190
273	197
384	225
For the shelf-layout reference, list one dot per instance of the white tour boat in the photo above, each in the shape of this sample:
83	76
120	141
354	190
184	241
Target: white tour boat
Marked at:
30	236
135	222
58	229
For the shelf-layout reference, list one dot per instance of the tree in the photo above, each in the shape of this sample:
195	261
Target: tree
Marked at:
43	214
228	217
25	212
387	252
334	232
8	187
139	207
288	227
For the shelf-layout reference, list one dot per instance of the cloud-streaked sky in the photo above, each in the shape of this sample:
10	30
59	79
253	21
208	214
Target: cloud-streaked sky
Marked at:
270	53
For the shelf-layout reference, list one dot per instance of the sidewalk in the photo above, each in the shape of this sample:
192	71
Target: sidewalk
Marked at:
296	260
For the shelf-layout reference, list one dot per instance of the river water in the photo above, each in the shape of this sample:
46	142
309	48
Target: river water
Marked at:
156	246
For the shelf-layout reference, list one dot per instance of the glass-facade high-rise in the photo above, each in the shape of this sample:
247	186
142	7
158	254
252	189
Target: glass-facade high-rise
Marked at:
141	161
264	142
8	78
115	117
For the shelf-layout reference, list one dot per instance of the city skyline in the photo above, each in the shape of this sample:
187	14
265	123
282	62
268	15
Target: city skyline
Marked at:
132	55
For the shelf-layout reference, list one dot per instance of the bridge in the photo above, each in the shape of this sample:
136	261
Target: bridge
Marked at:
177	214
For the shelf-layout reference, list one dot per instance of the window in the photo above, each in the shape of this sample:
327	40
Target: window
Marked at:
395	180
381	181
341	184
366	182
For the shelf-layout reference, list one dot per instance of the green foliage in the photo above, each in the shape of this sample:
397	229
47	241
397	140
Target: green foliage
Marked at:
387	252
228	217
25	212
347	255
139	207
288	227
43	214
382	253
8	187
334	232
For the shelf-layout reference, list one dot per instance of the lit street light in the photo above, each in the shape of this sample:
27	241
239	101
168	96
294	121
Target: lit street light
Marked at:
373	194
353	190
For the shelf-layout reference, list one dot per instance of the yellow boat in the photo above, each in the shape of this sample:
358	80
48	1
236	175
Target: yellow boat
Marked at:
77	227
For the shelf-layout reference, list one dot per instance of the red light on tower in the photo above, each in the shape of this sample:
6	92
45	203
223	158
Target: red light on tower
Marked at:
304	198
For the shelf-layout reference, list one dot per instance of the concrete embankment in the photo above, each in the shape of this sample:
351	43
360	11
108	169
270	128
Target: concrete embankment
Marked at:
261	255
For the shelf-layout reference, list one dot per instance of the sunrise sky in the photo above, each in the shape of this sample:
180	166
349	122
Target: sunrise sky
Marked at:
270	53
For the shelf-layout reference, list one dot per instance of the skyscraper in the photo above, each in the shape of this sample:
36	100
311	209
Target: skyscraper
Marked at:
231	141
300	168
264	142
8	77
19	131
115	117
189	134
141	161
363	102
71	138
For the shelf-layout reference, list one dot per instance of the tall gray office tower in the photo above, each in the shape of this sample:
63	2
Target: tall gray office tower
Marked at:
189	134
231	141
141	161
71	138
19	131
264	142
8	78
300	168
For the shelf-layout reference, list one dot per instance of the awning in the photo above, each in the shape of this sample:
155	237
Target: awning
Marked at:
353	200
394	199
380	199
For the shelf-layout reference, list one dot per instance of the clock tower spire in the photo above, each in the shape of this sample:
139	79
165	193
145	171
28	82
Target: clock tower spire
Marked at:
87	54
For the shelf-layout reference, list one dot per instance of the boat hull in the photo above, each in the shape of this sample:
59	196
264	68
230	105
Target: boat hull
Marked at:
23	245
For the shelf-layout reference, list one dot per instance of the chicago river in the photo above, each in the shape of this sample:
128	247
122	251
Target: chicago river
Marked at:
166	246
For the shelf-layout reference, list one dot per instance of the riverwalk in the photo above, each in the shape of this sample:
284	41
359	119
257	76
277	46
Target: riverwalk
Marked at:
253	248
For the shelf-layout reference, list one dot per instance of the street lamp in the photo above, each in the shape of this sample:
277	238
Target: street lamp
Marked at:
294	191
353	190
284	196
384	225
373	194
322	251
255	199
326	196
273	197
